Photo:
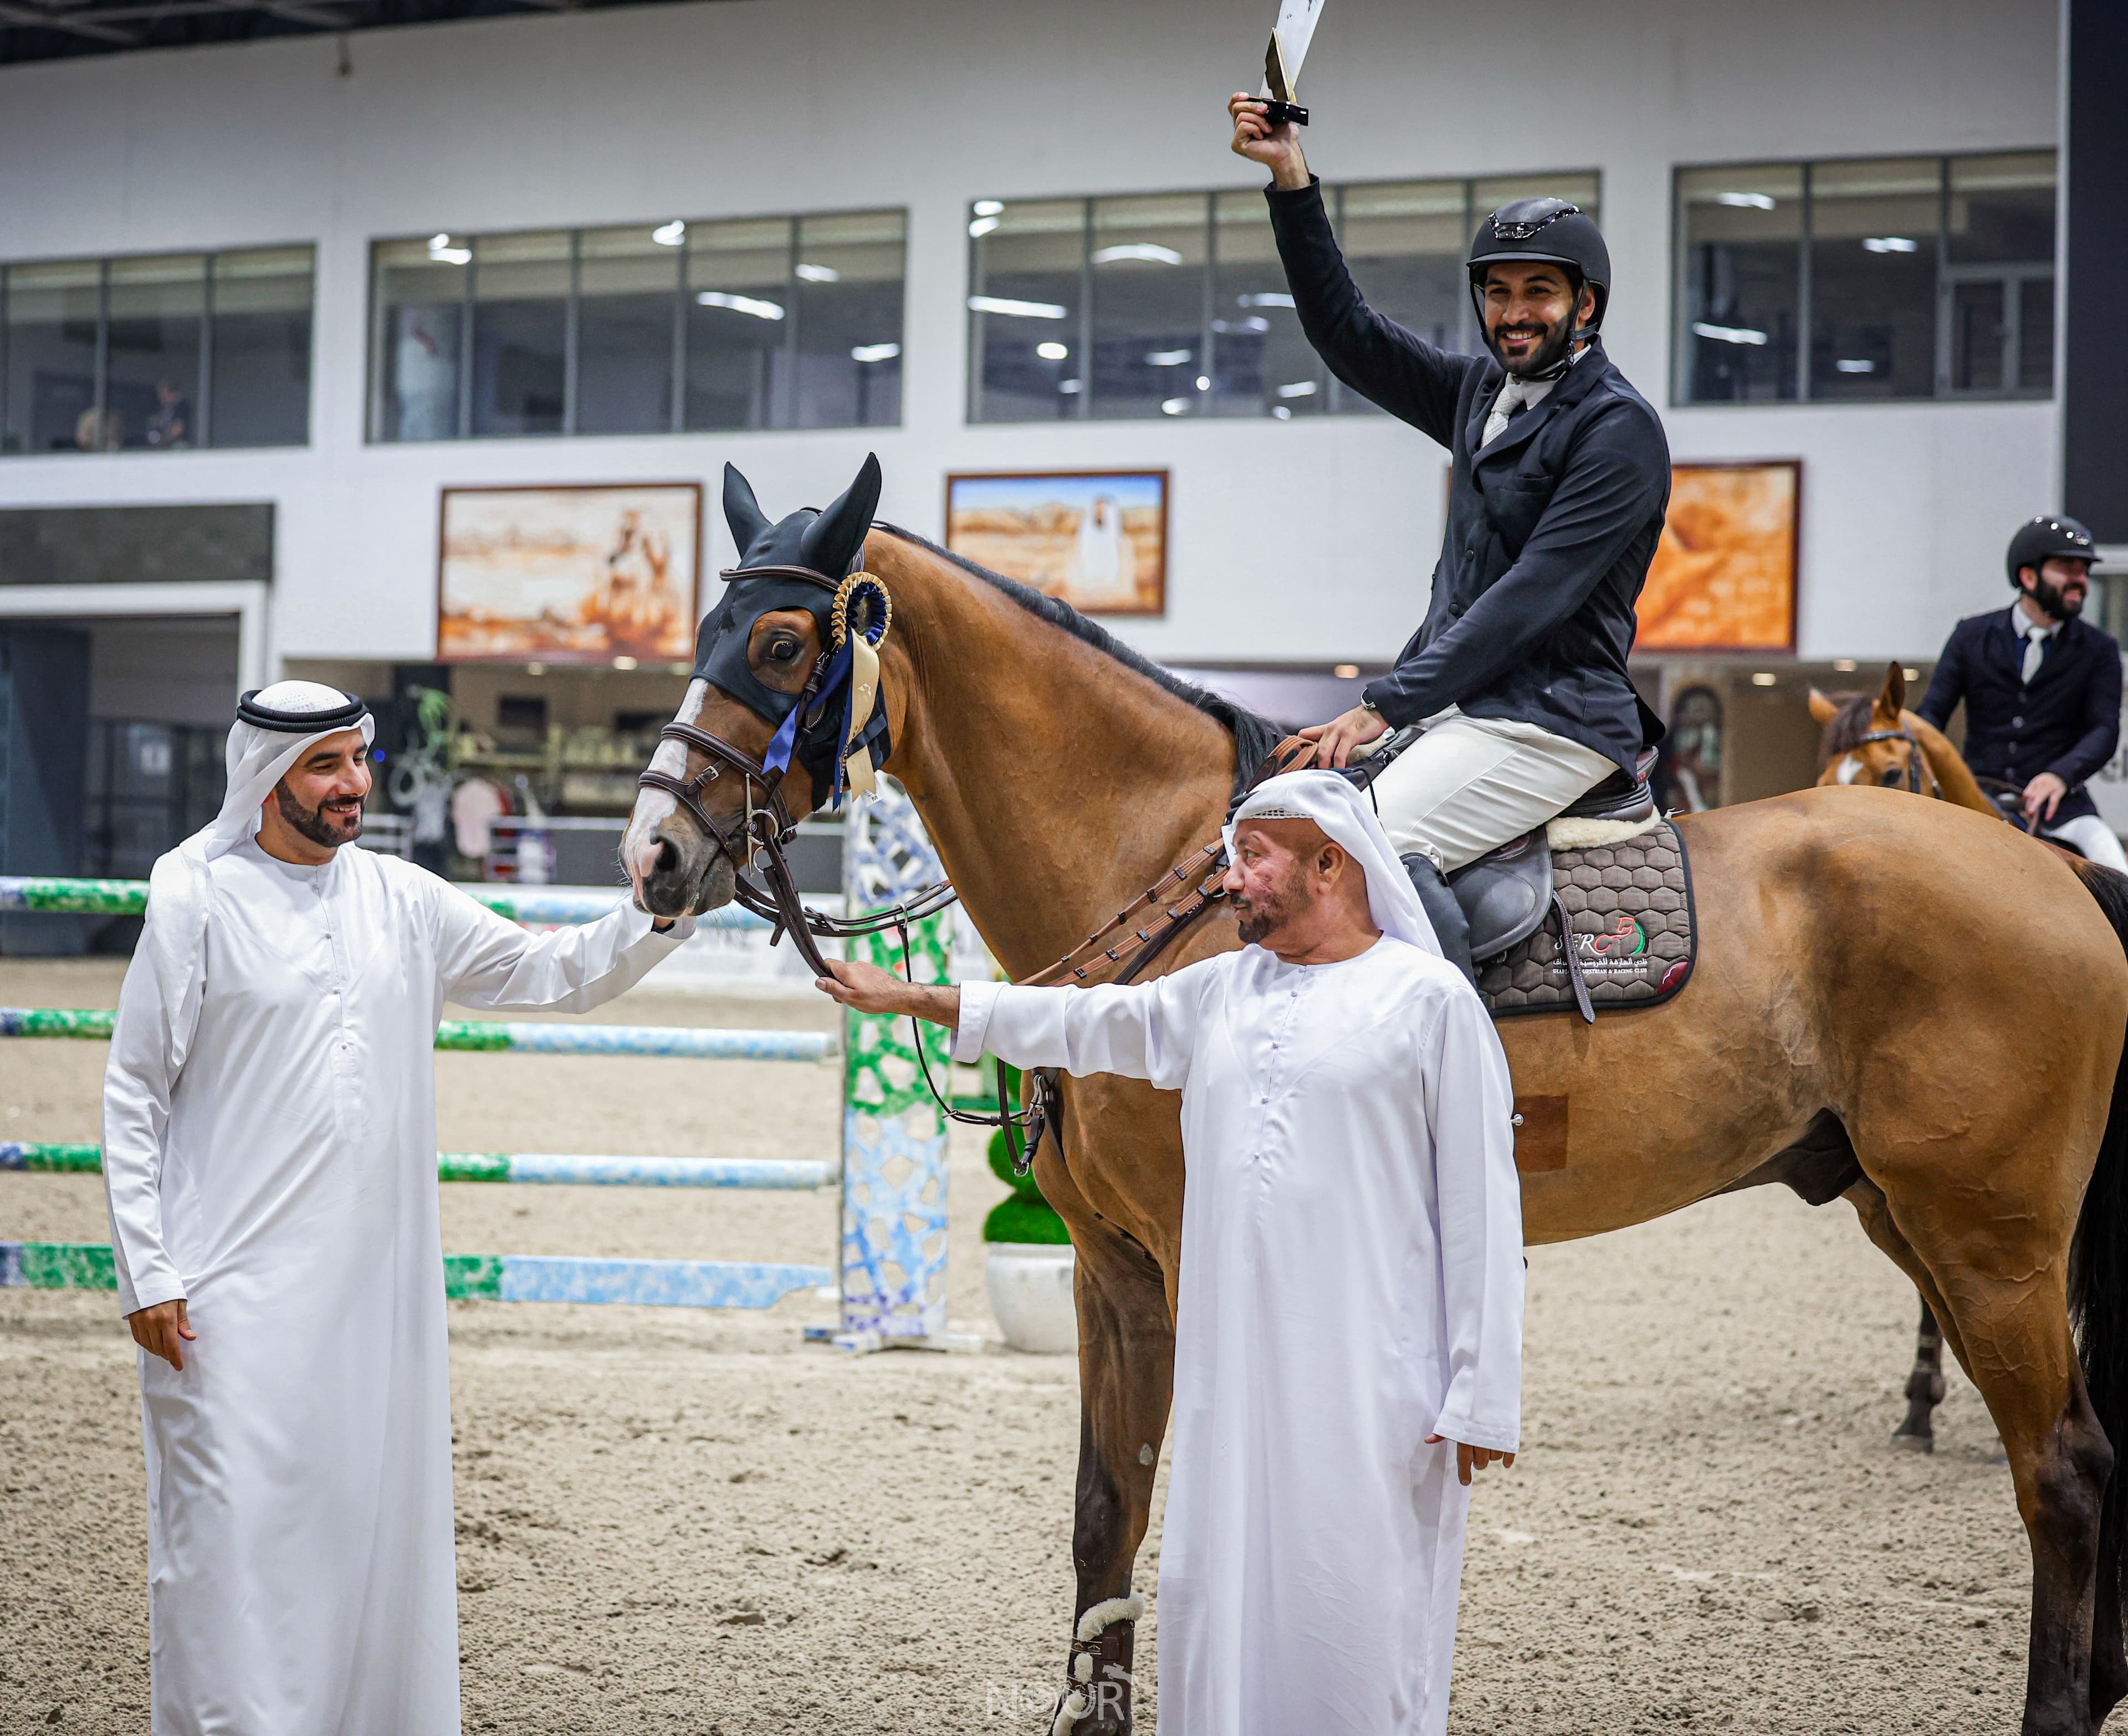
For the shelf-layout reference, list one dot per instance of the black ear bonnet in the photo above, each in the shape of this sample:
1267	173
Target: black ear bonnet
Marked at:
802	561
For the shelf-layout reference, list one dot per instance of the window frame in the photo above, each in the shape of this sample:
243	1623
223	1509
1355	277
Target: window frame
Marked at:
783	416
1339	399
203	385
2012	274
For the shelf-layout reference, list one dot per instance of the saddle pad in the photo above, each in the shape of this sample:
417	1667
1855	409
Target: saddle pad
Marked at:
1629	906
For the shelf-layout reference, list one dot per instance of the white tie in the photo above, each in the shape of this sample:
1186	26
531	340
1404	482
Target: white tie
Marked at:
2036	652
1513	394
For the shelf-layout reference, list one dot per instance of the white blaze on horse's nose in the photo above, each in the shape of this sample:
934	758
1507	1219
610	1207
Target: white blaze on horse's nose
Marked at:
1850	769
640	846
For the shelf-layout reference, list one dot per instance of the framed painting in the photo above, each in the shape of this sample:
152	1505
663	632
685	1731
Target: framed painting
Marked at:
583	574
1097	539
1724	575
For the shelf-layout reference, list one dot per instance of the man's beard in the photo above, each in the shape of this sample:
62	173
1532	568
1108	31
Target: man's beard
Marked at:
2053	602
1254	920
1549	353
314	824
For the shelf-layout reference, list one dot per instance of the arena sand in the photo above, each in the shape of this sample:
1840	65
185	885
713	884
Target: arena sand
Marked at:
694	1522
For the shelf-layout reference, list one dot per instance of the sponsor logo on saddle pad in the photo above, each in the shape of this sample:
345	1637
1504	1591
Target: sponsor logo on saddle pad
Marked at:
1620	951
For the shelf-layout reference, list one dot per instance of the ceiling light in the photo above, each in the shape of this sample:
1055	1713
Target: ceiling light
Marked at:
1890	244
1748	201
623	662
1843	666
444	253
1050	350
817	273
1012	310
1298	389
1764	678
1069	386
679	669
1168	357
982	226
535	669
1174	406
740	304
1251	323
670	235
1150	252
1264	298
1345	671
1911	675
1203	382
1856	365
1727	333
1282	412
875	352
987	207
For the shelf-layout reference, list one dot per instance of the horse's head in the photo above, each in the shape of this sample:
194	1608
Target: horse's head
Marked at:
1867	738
756	742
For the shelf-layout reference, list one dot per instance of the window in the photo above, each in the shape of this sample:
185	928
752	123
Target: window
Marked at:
776	322
156	353
1885	278
1175	304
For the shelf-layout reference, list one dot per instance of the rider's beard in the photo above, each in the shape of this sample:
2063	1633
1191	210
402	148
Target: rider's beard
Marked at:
314	824
1549	352
1254	918
2050	596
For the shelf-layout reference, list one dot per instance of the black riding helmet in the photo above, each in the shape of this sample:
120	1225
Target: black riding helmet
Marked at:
2051	536
1546	231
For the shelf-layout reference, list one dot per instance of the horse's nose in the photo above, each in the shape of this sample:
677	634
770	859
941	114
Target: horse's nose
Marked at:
647	855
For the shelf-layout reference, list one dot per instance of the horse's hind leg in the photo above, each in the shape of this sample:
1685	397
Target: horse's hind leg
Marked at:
1925	1386
1126	1371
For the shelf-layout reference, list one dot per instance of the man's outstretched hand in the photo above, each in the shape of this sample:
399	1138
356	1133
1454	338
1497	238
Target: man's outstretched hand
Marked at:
868	988
1470	1458
1336	740
1277	148
163	1330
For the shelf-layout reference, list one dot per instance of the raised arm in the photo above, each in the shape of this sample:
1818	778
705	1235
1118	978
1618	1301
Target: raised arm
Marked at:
1470	1109
484	959
1375	357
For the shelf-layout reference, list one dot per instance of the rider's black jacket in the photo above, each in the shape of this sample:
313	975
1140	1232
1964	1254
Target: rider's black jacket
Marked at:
1551	529
2067	722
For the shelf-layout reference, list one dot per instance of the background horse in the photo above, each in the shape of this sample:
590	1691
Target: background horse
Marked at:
1877	1010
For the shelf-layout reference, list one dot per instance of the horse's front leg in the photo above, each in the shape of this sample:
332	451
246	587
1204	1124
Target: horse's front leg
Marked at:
1126	1374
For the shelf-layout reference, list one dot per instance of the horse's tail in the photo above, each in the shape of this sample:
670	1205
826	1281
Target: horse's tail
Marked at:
2099	1263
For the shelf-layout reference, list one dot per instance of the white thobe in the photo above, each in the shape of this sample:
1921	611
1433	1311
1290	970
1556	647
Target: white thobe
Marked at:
1351	1283
300	1565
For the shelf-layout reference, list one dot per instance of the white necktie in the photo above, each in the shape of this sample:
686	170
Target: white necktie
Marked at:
2036	652
1513	394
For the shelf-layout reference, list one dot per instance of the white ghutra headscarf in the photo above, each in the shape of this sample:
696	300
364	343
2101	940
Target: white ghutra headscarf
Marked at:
1347	819
275	727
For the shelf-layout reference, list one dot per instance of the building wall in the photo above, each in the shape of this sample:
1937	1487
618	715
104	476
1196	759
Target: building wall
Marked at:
1305	540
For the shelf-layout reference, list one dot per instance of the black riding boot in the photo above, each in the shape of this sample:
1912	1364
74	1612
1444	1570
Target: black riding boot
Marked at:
1450	925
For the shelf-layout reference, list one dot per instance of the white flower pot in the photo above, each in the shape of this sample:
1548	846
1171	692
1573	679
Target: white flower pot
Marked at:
1030	1286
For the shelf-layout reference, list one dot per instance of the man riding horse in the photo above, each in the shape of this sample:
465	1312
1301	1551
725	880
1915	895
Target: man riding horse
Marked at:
1561	476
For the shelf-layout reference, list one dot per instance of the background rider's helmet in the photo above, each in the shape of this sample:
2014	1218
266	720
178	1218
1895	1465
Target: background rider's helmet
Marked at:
1551	231
2051	536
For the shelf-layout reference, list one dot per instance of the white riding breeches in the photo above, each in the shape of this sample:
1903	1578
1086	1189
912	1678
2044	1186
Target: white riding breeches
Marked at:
1470	785
2093	838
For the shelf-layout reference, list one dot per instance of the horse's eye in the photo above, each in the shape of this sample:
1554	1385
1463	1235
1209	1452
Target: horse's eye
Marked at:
782	651
1892	778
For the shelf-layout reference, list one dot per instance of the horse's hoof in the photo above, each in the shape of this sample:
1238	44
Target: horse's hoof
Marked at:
1914	1443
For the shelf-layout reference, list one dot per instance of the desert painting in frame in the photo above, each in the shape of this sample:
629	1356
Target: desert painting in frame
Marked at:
1098	539
1724	575
566	575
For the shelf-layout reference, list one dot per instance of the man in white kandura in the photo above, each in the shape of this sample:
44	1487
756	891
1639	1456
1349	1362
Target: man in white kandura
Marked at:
1348	1335
269	1149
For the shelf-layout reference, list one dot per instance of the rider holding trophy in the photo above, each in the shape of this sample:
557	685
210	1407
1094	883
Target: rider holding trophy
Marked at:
1561	475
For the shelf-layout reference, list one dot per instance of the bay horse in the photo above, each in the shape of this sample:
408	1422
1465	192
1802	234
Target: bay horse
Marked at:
1873	739
1911	1006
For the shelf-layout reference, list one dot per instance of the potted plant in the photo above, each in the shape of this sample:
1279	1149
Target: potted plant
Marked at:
1027	1258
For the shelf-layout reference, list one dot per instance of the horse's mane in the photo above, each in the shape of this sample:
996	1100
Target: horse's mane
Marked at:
1254	736
1849	724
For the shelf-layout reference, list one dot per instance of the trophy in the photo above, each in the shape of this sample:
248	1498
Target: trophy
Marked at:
1289	38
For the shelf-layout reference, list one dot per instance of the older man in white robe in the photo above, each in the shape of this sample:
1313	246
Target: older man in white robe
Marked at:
1348	1335
269	1151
